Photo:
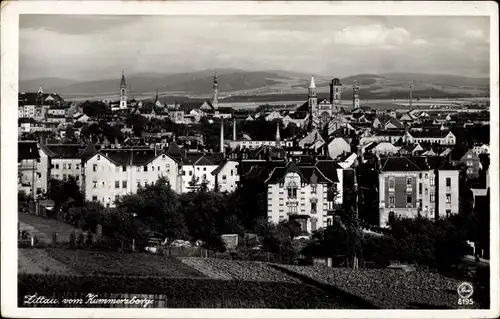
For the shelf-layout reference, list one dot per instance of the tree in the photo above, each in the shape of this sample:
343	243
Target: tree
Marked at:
65	194
158	207
95	108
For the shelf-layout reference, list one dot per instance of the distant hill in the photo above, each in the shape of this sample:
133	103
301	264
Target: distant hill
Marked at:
240	84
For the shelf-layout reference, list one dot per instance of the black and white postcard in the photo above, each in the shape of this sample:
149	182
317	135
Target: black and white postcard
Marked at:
249	159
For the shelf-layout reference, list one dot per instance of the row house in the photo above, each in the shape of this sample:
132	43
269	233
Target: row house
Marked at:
197	169
432	136
111	173
304	194
417	186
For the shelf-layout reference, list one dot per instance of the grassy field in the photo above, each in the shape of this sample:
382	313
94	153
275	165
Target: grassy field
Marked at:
43	228
38	261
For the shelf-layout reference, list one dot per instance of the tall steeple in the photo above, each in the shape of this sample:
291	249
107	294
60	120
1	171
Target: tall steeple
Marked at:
215	99
312	99
355	95
40	90
123	92
39	96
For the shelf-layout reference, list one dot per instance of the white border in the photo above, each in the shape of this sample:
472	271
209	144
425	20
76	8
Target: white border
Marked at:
10	11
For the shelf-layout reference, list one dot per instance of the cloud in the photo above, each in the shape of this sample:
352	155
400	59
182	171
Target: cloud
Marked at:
371	35
90	47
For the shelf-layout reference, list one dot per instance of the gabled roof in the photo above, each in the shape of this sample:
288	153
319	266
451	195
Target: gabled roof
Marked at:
136	157
69	151
306	173
395	122
398	164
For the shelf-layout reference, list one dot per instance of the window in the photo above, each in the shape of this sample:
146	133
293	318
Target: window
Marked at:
117	184
77	178
426	191
64	165
448	181
313	208
152	168
124	168
98	157
433	179
448	198
409	199
292	190
117	198
146	182
433	197
204	169
448	212
420	188
392	184
224	177
138	168
158	168
167	166
190	173
57	166
65	177
469	163
391	200
432	211
69	165
469	156
163	157
328	222
313	189
419	175
94	184
426	209
426	175
117	169
124	184
77	166
145	168
138	183
204	176
408	182
94	198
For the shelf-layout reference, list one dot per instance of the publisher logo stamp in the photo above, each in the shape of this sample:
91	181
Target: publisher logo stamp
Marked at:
465	291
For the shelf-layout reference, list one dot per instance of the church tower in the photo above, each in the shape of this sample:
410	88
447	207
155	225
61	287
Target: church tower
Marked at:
312	98
123	92
355	95
278	138
39	96
215	99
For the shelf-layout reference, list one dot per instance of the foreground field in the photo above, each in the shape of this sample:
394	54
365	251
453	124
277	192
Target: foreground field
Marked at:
43	228
37	261
388	288
185	292
85	262
238	270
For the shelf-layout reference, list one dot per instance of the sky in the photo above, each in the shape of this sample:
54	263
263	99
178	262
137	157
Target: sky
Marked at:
88	47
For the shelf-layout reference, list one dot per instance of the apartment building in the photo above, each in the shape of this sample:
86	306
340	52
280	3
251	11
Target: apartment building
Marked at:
301	193
417	186
111	173
226	176
65	161
197	169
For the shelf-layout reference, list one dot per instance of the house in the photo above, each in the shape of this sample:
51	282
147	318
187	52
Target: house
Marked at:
111	173
432	136
467	157
197	168
385	148
300	193
313	140
393	123
64	161
226	176
417	186
32	168
337	146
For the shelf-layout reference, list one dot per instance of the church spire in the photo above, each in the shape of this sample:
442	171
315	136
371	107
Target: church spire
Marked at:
312	85
278	138
123	92
40	90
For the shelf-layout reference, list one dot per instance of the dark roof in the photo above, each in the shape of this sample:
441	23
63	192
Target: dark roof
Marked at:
390	133
65	150
393	164
301	112
89	151
416	163
429	133
457	153
27	150
130	156
329	169
30	98
395	122
307	173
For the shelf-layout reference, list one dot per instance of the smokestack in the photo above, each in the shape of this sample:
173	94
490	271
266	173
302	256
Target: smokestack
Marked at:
410	94
234	129
222	136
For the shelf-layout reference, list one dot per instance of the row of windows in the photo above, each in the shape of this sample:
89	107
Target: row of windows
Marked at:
409	198
66	166
66	177
123	168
